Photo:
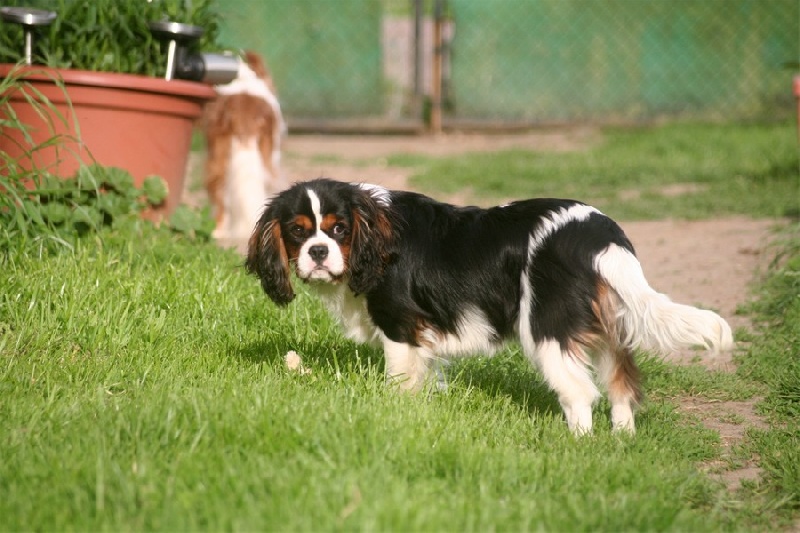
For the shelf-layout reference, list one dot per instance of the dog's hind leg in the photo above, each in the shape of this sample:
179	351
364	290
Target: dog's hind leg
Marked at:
617	371
568	374
616	368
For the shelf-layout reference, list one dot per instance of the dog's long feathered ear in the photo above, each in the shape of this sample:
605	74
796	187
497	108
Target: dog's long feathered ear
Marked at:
267	259
372	241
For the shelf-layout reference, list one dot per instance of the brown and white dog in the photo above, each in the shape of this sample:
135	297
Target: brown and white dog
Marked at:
243	129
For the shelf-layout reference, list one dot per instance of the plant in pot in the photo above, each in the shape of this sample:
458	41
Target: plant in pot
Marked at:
96	90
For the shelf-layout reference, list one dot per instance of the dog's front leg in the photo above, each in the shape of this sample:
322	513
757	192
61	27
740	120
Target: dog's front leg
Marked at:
407	367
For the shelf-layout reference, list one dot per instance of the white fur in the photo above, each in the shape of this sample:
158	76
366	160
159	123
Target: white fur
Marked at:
650	320
473	335
555	221
245	190
333	265
380	194
350	311
248	82
406	365
622	417
621	402
567	374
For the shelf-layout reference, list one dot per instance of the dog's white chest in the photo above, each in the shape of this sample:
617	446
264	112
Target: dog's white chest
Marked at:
350	311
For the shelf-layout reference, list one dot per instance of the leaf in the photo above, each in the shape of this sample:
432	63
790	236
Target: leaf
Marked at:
56	213
155	190
120	181
88	178
86	31
84	215
32	210
112	204
192	222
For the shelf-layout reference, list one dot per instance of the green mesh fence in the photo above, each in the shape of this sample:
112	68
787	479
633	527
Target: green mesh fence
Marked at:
529	61
325	55
562	60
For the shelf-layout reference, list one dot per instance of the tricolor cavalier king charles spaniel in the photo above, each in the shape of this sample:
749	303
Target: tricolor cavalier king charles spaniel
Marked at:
431	280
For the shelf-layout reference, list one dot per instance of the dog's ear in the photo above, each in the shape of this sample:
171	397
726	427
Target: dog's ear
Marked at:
267	259
371	243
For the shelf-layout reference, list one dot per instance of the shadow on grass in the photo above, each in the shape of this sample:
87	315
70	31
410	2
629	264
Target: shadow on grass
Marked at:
507	374
265	351
331	355
317	339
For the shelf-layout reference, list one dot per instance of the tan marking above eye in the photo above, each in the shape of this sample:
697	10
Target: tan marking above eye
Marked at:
304	222
329	222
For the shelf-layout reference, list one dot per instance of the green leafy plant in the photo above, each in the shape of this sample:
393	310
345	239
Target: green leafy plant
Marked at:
56	210
107	35
36	206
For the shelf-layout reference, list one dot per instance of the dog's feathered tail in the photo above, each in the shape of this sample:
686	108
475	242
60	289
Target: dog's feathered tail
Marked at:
649	320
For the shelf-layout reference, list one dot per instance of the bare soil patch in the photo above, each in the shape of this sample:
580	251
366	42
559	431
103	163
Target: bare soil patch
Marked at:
731	419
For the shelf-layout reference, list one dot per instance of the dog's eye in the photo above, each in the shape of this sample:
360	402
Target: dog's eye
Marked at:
339	229
297	231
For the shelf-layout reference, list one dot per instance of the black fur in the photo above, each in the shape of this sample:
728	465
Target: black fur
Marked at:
420	262
266	259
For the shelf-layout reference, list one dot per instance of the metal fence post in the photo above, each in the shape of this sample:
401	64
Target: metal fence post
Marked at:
436	74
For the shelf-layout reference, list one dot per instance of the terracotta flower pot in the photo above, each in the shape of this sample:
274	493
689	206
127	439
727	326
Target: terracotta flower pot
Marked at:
138	123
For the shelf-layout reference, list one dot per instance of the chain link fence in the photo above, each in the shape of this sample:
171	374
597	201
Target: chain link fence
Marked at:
398	64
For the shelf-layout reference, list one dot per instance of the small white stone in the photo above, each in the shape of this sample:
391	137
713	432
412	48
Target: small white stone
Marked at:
293	362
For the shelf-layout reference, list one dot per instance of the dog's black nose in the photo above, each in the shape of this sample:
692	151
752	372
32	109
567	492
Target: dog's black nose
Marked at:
318	252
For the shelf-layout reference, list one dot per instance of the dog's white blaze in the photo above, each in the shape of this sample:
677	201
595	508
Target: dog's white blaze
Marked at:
307	268
555	221
316	207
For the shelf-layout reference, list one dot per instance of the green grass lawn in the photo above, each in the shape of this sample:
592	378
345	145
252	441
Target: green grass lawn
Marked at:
143	387
678	170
